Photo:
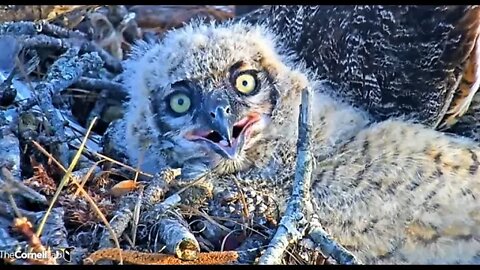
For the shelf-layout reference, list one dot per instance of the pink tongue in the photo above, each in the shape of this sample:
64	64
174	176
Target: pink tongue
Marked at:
242	122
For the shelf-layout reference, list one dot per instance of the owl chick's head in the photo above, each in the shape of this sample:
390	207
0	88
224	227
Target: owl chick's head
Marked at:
211	92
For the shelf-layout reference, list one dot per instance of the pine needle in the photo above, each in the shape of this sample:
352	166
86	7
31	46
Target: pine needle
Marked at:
65	178
85	194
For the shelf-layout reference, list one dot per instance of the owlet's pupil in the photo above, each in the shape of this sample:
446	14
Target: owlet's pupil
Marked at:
180	101
244	83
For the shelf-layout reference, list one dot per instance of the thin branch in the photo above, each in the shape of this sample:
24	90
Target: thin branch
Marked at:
63	73
55	30
328	246
293	223
153	194
177	237
114	90
18	187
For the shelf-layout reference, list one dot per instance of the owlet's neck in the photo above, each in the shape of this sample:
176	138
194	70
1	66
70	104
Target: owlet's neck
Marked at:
334	122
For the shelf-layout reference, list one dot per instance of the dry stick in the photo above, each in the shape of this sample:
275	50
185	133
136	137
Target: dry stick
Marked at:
18	28
8	190
88	175
298	209
20	188
167	204
328	246
63	73
177	238
55	30
111	63
115	90
119	222
155	191
195	211
91	152
9	143
44	41
136	214
67	38
245	215
85	176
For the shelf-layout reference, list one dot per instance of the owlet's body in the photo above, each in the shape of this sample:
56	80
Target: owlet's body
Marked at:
225	98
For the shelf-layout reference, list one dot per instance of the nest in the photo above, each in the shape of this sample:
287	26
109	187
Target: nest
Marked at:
67	181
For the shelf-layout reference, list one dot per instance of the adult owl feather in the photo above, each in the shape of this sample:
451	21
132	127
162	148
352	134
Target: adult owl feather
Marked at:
415	60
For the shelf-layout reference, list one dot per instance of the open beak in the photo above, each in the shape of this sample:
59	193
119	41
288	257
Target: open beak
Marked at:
225	139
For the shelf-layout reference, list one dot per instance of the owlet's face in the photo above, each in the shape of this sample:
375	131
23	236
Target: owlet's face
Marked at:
212	91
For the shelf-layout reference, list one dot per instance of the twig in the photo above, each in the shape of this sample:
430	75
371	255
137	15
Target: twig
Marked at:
55	30
161	208
114	90
66	39
298	209
328	246
19	188
18	28
44	41
245	216
55	234
136	214
92	171
24	226
177	238
195	211
63	73
111	63
120	221
190	184
9	146
85	173
153	194
14	205
117	162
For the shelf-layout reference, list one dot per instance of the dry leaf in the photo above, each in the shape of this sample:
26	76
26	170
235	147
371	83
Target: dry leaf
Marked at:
123	188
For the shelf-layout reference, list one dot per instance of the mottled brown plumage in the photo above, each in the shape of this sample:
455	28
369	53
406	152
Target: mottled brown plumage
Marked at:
224	98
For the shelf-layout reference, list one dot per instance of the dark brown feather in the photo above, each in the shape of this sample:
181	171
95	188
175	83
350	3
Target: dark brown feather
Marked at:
389	60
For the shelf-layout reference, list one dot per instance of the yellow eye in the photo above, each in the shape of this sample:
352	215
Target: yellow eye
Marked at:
180	103
245	83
